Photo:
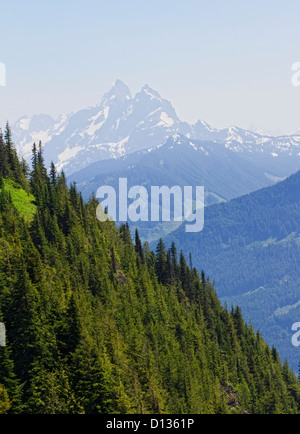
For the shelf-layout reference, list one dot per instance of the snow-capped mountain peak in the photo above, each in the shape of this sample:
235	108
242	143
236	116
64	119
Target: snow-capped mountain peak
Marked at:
119	92
121	124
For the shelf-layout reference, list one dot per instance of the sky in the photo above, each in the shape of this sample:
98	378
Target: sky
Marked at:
227	62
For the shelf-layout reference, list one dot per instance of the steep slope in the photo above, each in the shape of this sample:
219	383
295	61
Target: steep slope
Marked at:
96	324
251	247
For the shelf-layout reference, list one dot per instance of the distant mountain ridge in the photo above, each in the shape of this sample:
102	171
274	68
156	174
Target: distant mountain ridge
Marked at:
179	161
121	124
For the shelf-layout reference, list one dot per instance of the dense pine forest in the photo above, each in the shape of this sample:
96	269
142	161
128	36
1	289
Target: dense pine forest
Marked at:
98	323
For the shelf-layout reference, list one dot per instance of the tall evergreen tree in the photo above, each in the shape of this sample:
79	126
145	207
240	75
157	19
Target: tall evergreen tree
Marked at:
138	246
4	169
161	259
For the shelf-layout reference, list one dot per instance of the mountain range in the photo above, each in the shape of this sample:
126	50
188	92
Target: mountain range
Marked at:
250	245
121	124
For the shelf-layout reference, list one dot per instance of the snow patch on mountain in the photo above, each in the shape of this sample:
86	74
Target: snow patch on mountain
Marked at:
67	155
165	120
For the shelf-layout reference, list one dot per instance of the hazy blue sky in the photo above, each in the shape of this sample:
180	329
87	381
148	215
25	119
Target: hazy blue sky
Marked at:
225	61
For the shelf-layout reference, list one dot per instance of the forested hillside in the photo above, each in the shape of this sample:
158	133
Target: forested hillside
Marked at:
98	324
251	248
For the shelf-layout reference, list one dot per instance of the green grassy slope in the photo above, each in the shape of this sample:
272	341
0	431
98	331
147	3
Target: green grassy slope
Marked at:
23	201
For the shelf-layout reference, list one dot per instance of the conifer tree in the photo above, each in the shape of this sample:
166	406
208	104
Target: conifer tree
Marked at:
161	260
138	246
13	163
53	174
4	169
